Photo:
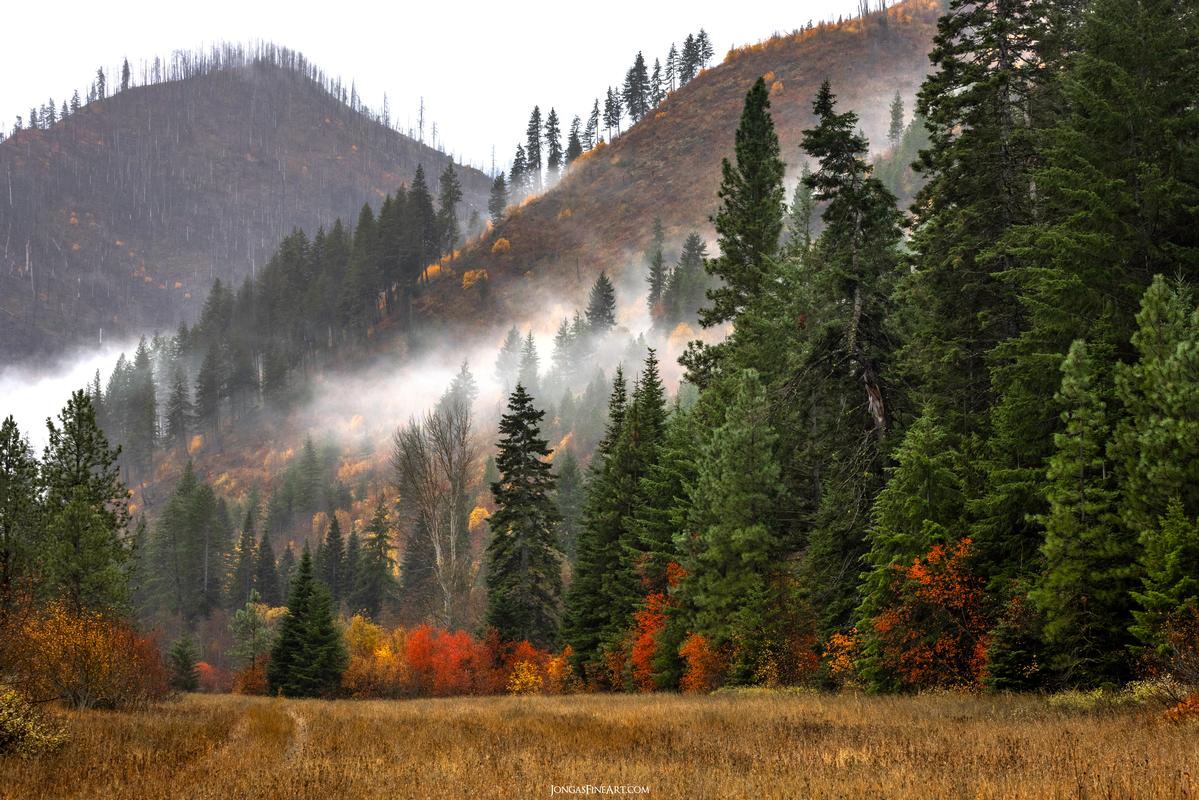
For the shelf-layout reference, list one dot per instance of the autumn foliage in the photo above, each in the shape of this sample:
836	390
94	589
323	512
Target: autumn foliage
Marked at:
88	660
705	665
934	635
649	621
427	661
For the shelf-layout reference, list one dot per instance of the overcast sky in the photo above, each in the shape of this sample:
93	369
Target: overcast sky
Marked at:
479	66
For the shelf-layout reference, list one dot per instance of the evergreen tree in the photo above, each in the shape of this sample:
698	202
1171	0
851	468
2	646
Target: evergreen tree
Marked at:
241	582
251	633
518	183
1169	566
20	517
266	576
591	132
613	112
751	213
497	203
732	589
568	499
574	142
85	556
182	660
895	131
1084	591
350	563
447	210
308	656
179	410
799	217
528	374
587	614
656	260
507	364
601	305
331	558
210	389
635	93
553	146
656	92
524	585
125	75
672	68
374	584
533	159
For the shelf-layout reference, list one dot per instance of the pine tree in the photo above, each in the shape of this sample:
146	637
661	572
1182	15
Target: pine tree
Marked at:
613	112
917	509
125	75
85	555
20	517
568	499
636	94
266	576
574	142
251	633
1084	591
656	260
895	131
507	364
210	389
533	159
518	183
751	214
799	215
447	210
331	558
374	578
179	410
183	657
672	68
530	363
1169	565
351	562
731	591
241	582
689	60
308	656
553	146
591	132
601	305
524	584
497	203
703	48
586	612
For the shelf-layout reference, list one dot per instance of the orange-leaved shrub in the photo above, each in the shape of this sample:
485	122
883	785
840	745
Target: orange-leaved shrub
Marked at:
704	665
88	660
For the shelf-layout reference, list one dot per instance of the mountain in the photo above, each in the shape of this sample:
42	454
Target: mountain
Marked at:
116	220
600	215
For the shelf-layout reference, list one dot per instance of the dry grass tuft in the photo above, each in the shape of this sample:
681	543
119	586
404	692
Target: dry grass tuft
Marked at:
729	745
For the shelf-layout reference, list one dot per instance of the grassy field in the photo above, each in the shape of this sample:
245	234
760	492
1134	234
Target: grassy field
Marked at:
784	746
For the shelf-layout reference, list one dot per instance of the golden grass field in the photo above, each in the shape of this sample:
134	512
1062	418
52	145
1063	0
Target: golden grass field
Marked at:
748	745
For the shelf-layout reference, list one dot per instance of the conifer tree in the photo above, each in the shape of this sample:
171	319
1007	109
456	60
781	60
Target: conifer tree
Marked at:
251	633
750	218
574	142
182	658
85	555
586	612
533	160
799	215
731	591
568	499
524	584
266	576
179	410
1169	566
497	203
308	656
553	146
518	183
591	132
601	305
1084	591
331	558
672	68
20	516
530	364
613	112
656	92
374	579
656	260
507	364
635	94
447	210
241	582
350	563
895	131
210	389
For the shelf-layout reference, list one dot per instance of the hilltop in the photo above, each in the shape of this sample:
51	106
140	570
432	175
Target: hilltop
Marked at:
668	165
118	218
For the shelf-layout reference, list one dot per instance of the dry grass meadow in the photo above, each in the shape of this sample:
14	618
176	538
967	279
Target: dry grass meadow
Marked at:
756	745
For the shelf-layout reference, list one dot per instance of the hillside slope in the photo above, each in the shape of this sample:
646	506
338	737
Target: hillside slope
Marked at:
116	220
600	215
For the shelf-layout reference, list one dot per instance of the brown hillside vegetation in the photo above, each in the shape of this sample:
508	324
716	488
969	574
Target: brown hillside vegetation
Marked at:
727	746
119	218
668	165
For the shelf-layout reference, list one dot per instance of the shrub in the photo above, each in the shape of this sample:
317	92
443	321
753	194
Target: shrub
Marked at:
501	245
705	665
22	730
89	660
525	679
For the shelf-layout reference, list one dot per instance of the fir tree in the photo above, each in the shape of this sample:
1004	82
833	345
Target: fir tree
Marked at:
656	260
524	585
895	131
553	146
497	203
184	676
447	210
574	142
331	558
635	93
568	499
251	633
1169	566
518	176
751	214
591	132
374	584
179	409
799	215
266	576
530	364
1084	592
241	582
601	305
507	364
533	159
20	517
308	656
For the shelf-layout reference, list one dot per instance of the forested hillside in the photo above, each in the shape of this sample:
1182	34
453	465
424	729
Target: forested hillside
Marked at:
118	215
600	215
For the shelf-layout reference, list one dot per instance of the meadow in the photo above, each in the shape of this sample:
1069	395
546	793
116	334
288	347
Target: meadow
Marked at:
725	745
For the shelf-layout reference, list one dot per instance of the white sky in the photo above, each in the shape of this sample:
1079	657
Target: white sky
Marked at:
479	66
